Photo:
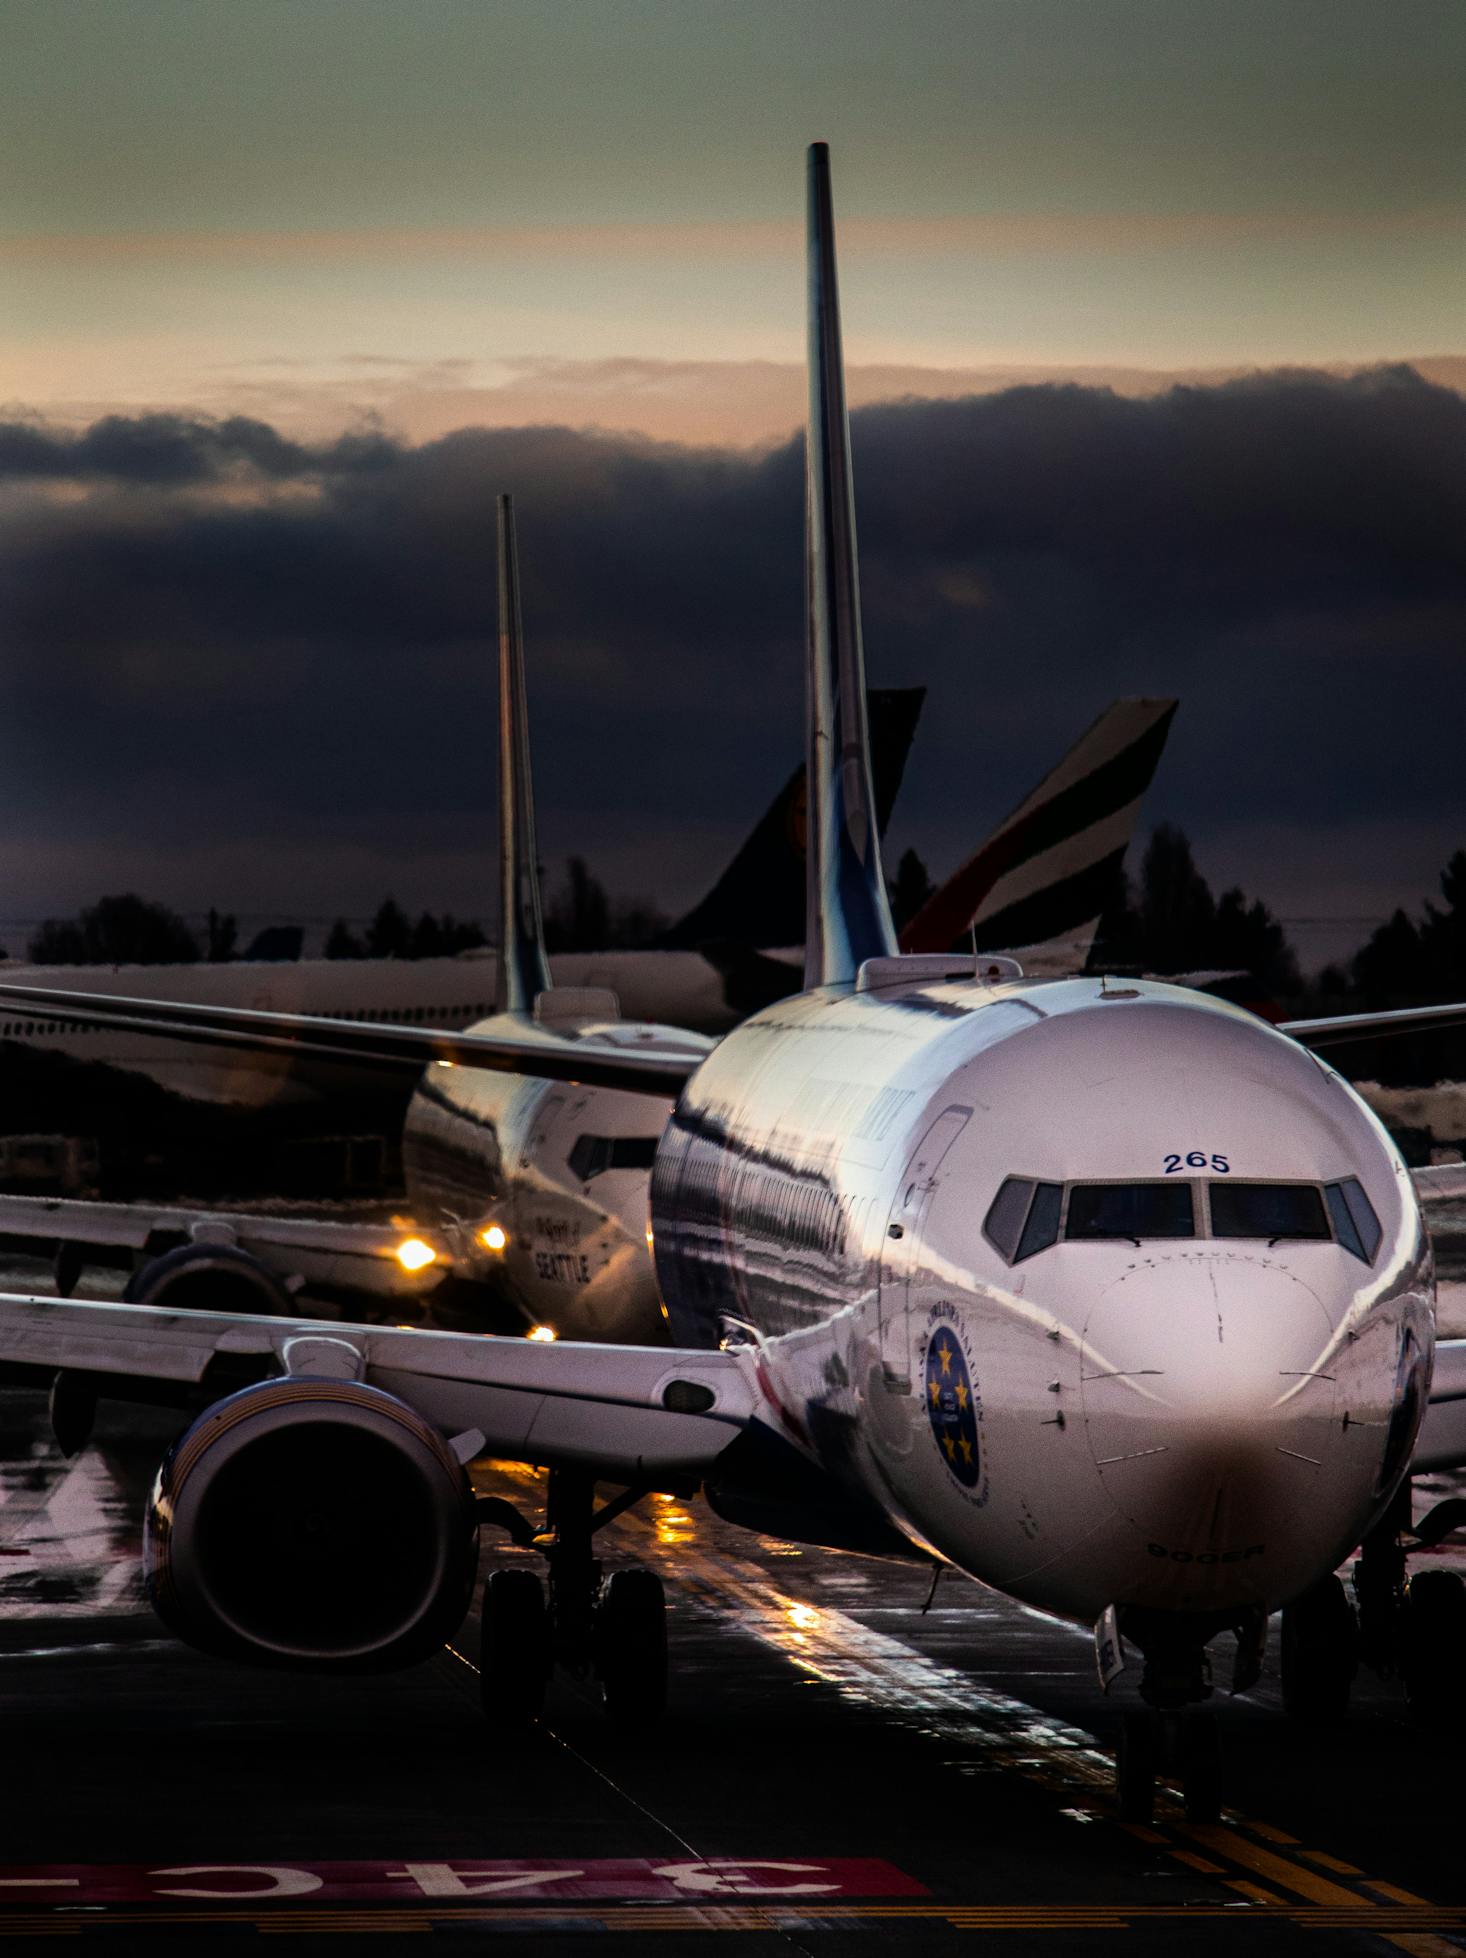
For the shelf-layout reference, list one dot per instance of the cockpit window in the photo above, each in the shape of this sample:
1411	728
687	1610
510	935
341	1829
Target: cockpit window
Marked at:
1270	1210
1005	1220
1137	1210
1042	1228
1352	1214
1024	1217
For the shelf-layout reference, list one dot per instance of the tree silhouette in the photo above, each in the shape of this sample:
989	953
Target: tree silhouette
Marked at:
1443	933
1174	924
1248	937
220	938
122	930
1178	914
389	934
579	916
343	943
1389	962
441	938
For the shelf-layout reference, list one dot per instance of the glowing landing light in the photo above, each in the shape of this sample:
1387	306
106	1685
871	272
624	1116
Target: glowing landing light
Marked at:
414	1255
493	1237
542	1333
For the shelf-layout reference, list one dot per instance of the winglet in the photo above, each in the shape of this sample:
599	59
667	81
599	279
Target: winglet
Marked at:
524	971
847	916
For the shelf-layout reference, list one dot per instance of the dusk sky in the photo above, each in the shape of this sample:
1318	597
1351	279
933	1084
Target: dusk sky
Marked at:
293	287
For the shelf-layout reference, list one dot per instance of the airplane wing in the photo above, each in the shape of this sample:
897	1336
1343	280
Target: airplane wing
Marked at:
624	1412
1442	1440
1343	1027
331	1252
626	1060
1439	1182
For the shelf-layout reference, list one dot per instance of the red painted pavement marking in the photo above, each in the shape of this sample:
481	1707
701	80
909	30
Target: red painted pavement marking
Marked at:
640	1879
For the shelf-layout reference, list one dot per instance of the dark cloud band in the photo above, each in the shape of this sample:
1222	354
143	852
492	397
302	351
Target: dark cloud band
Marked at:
214	630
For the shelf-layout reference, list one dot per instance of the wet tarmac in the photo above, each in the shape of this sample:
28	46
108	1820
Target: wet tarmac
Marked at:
839	1768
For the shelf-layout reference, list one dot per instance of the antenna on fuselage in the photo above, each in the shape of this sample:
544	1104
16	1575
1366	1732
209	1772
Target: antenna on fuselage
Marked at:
524	971
847	916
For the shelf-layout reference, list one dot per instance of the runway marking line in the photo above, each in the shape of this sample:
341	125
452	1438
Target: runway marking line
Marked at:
1327	1862
1281	1870
1413	1931
1393	1891
1254	1891
1195	1862
735	1580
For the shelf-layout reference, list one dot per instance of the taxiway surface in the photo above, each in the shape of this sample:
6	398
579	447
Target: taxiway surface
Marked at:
838	1769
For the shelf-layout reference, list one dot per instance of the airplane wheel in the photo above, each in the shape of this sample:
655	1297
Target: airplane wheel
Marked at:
514	1650
1201	1768
1136	1761
631	1647
1435	1637
1320	1654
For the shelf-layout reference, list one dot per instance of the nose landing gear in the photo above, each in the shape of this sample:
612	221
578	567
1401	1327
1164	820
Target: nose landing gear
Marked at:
1170	1738
613	1629
1180	1745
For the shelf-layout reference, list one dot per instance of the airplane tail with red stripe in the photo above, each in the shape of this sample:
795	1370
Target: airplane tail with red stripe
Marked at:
1048	872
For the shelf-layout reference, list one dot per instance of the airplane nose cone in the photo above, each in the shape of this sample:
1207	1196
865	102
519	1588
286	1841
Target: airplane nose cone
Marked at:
1212	1420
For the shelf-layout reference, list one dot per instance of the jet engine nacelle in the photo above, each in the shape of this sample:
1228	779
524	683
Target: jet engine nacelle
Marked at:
317	1524
208	1277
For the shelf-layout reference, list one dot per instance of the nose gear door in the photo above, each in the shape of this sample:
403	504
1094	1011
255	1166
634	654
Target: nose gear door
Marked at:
901	1252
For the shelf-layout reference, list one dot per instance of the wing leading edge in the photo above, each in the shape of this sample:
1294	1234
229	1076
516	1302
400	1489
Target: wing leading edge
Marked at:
631	1061
621	1412
1340	1028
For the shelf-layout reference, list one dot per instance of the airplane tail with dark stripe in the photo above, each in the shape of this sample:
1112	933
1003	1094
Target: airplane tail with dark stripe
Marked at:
759	899
1047	874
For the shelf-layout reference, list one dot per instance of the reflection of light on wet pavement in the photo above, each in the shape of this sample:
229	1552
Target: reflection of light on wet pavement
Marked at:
68	1534
873	1670
803	1617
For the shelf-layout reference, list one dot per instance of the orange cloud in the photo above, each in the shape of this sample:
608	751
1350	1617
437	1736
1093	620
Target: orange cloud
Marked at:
994	234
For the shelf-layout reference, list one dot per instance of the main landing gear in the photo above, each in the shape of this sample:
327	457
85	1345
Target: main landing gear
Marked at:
612	1629
1320	1654
1414	1625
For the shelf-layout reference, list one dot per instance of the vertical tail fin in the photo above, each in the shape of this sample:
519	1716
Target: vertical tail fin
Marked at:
1054	866
847	917
524	972
759	899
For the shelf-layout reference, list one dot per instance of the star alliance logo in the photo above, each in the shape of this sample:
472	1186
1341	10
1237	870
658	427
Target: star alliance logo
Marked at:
952	1404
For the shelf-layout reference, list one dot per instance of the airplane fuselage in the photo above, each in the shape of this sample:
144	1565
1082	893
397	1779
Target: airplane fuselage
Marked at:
541	1186
1203	1416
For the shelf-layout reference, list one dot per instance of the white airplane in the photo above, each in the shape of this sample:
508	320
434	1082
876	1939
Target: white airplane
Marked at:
527	1193
1110	1296
527	1200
